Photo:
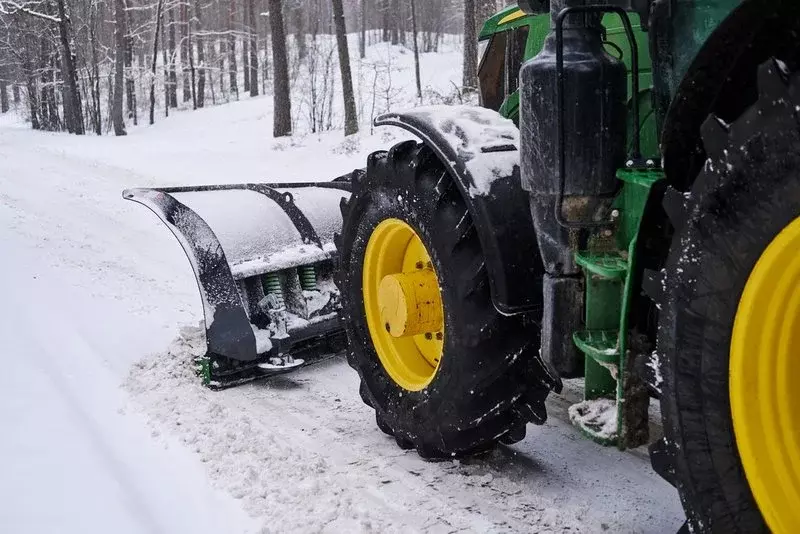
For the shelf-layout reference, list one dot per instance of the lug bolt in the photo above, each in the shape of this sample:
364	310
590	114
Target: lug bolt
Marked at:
428	336
614	214
439	336
607	233
419	265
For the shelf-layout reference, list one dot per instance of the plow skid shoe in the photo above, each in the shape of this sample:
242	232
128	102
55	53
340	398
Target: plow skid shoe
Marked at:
262	255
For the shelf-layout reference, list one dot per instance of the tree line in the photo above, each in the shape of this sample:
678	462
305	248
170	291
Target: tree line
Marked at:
100	65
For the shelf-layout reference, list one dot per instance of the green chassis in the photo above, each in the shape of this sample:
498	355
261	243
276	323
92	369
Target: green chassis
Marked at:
609	262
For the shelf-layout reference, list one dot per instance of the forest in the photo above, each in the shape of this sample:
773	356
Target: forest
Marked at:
101	66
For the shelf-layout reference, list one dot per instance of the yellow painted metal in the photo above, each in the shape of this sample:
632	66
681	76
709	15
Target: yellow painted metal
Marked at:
410	303
401	299
511	16
764	370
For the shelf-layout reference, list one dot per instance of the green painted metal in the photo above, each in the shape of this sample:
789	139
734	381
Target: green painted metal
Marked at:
204	369
308	277
493	26
691	25
271	283
603	305
601	345
608	266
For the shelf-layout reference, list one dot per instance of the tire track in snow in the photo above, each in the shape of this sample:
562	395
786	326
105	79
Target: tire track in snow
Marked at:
303	454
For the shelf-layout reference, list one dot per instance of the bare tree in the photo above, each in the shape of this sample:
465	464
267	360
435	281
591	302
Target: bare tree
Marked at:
253	37
4	106
470	80
200	97
130	84
298	18
246	47
155	58
186	51
94	73
120	31
172	82
282	125
350	117
362	43
232	50
73	112
416	47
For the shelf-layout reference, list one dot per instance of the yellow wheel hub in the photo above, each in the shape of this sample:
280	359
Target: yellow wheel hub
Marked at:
764	374
403	304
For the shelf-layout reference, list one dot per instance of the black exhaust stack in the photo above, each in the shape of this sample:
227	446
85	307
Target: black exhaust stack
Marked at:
573	125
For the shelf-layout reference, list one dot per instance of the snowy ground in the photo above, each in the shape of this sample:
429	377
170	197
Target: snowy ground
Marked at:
100	437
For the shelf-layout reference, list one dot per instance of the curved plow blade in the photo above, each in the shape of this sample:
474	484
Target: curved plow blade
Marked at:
262	257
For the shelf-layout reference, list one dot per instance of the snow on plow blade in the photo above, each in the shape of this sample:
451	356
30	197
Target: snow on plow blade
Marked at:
262	255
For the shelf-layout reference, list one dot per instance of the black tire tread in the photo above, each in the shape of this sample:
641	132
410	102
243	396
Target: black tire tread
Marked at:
504	384
743	188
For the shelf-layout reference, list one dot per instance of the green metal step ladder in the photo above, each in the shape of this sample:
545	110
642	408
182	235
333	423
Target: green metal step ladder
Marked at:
614	411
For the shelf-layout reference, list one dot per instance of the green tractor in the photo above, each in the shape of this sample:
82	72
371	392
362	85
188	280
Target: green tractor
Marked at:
625	207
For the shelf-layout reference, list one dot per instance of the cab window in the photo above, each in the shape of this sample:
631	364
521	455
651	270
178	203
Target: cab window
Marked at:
498	72
515	55
491	72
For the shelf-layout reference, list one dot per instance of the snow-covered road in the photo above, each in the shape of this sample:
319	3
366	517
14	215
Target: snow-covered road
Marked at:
95	442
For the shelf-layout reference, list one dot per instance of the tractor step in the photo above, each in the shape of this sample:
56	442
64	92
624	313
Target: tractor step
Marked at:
600	345
610	265
614	410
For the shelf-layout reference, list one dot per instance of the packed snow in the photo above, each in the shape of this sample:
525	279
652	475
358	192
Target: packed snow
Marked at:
597	415
106	427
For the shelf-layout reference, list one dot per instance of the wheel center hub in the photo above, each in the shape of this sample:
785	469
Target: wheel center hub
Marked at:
410	303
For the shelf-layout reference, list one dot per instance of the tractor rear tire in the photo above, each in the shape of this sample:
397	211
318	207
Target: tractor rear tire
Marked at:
490	380
748	193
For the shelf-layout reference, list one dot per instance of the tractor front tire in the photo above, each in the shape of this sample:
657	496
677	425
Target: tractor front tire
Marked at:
488	381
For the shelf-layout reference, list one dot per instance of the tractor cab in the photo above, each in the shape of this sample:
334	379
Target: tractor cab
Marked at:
511	37
505	41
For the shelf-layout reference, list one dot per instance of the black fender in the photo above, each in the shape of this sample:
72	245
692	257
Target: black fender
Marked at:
480	149
722	78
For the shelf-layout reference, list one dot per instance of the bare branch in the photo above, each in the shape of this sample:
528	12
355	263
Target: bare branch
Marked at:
10	7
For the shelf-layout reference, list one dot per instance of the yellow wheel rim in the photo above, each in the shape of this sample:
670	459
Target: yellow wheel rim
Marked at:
764	369
403	304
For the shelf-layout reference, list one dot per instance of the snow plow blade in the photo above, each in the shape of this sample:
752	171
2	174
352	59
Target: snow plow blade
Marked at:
262	255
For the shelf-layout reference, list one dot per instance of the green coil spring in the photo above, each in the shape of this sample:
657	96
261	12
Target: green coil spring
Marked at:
308	277
271	283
